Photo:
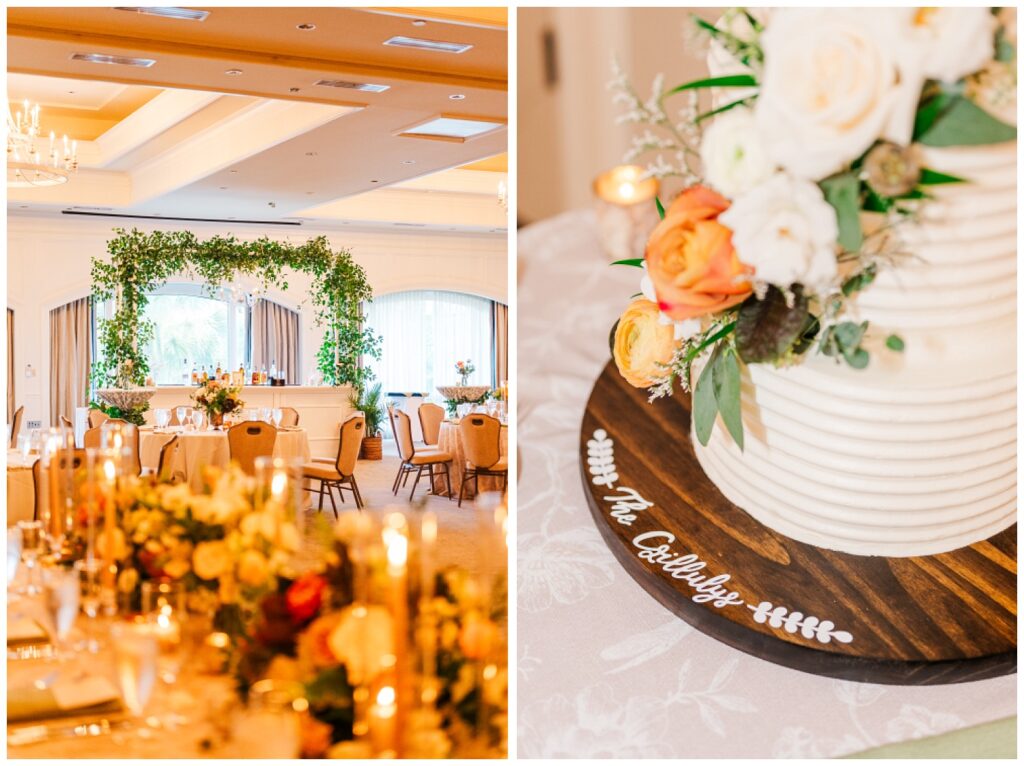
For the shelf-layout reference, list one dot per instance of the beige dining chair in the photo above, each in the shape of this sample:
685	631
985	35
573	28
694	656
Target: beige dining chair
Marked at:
93	439
250	440
96	418
19	415
78	459
64	421
431	417
289	417
164	472
341	474
414	459
481	441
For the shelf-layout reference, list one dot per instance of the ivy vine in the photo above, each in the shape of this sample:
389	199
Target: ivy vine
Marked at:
140	262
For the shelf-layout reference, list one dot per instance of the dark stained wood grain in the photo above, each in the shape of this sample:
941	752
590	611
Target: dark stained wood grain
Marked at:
937	619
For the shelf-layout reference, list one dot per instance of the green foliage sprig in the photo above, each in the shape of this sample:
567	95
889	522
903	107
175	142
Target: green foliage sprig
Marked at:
140	262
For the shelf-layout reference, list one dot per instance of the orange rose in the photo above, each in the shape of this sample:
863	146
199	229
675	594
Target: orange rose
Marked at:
691	260
643	343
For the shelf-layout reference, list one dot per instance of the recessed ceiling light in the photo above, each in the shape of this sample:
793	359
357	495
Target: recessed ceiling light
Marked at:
272	204
103	58
419	23
311	154
185	14
457	97
293	90
233	72
71	93
368	87
374	181
452	128
306	27
232	171
309	192
401	41
222	188
408	162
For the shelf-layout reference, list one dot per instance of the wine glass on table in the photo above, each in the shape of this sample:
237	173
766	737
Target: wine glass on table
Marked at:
163	417
90	578
197	418
181	412
61	599
135	651
277	415
265	414
13	554
31	548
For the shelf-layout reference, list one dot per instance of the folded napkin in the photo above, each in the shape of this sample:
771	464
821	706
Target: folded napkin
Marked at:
24	630
81	695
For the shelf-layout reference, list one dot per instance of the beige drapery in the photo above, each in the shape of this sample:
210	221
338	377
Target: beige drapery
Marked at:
10	366
70	357
275	339
499	324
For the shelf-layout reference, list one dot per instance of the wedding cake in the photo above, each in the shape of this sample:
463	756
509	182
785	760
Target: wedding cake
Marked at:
838	286
916	454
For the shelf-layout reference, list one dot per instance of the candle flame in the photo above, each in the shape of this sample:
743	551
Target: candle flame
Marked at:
386	696
429	527
109	470
398	547
278	484
626	190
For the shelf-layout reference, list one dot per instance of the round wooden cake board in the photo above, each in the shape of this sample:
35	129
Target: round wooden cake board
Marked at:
936	619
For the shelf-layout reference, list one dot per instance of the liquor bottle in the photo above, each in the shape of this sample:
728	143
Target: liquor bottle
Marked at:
203	377
241	374
218	372
195	375
255	376
263	375
184	371
273	371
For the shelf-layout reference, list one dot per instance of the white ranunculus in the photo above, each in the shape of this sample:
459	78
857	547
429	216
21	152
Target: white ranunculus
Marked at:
827	91
786	230
733	155
932	44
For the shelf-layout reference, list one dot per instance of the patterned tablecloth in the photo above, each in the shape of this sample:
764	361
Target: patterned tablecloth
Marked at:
450	440
606	671
200	448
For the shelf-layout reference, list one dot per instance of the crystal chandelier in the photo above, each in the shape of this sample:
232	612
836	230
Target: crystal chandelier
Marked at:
31	161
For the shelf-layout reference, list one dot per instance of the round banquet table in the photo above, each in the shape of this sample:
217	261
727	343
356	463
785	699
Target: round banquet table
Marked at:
449	440
20	491
604	669
201	448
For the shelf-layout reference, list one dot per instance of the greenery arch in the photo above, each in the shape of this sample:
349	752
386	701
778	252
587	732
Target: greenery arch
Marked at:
140	262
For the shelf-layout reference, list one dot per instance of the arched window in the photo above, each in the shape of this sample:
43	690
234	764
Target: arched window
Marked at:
425	333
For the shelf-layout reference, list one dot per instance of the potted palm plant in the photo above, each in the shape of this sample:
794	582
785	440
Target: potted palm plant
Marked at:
368	402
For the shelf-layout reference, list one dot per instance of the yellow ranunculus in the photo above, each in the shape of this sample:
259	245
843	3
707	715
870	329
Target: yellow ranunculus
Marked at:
253	569
643	344
211	559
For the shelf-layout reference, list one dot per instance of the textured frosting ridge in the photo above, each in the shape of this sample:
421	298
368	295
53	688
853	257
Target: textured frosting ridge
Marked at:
916	454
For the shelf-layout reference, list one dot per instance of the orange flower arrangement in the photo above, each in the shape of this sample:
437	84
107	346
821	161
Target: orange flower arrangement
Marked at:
691	261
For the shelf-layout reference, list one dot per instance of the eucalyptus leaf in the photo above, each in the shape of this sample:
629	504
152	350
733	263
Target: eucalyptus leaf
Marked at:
842	192
766	329
895	343
964	123
661	209
932	108
726	379
638	262
857	358
705	407
930	177
859	281
725	108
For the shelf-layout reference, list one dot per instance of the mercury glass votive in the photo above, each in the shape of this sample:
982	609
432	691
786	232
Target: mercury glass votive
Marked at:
626	210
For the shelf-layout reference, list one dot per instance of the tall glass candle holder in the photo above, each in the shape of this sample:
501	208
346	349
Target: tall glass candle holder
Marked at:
107	473
58	462
626	211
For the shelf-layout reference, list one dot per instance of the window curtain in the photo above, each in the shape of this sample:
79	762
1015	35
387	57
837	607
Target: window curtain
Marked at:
425	332
275	339
499	325
10	366
70	357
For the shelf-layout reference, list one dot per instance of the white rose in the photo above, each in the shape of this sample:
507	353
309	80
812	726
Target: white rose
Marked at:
253	568
787	231
363	635
733	155
933	44
211	559
827	90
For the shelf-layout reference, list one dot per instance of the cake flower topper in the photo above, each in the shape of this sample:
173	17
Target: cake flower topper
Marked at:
798	175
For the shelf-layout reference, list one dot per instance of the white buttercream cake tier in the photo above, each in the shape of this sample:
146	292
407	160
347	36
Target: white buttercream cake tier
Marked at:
915	454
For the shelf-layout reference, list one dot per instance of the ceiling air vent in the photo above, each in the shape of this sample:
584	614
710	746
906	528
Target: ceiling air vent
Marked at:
185	14
103	58
427	45
367	87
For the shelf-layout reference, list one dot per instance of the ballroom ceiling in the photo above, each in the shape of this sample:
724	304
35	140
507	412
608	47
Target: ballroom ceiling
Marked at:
185	138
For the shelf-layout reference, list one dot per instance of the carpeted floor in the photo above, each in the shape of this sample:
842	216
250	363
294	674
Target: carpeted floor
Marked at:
457	528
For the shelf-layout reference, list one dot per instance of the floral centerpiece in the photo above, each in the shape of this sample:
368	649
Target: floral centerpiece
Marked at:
464	370
227	551
798	176
316	631
218	399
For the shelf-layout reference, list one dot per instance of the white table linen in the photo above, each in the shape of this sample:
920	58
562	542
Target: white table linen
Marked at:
604	669
202	448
